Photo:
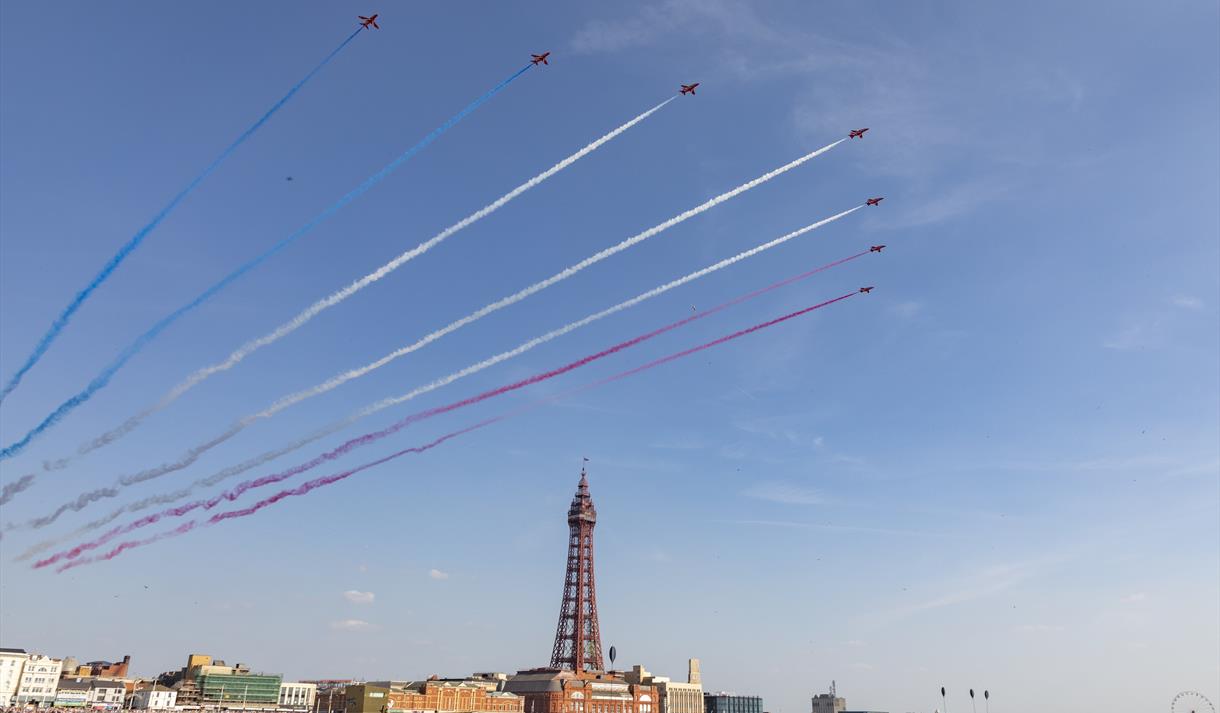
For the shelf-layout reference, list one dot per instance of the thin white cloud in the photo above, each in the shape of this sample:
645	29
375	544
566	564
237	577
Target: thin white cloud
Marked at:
785	493
356	596
1153	328
350	625
1133	598
438	574
1160	463
907	309
948	204
791	525
986	582
680	443
1041	628
1136	335
652	24
1207	467
768	427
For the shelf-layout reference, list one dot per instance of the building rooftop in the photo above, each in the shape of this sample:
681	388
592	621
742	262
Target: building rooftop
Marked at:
11	651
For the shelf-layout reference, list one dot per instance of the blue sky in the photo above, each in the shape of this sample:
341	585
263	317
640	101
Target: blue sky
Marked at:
1000	470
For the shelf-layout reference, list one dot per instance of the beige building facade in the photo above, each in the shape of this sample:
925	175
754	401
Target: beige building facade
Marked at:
675	697
294	695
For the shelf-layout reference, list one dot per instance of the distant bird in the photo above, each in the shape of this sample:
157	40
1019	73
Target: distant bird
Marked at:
289	178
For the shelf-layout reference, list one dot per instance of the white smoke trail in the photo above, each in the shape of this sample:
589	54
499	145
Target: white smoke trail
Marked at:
326	303
346	376
572	326
85	499
169	498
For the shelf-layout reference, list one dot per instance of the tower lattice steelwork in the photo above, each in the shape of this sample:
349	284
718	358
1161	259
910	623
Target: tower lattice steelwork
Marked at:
578	643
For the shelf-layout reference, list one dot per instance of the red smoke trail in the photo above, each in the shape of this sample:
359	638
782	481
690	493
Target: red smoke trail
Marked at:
234	493
330	479
132	544
708	345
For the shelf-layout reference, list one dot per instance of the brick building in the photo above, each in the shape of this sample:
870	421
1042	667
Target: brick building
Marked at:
106	669
433	695
565	691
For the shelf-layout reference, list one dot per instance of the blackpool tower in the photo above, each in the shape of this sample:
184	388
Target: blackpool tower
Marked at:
578	644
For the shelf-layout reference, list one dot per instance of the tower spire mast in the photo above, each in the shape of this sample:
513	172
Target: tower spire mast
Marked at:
578	642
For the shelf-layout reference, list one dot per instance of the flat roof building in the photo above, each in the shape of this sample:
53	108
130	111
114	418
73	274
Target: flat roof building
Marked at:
297	696
731	703
675	697
237	687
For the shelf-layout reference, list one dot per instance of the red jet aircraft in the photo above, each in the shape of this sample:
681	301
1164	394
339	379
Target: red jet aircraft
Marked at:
689	88
876	248
540	58
857	133
369	21
866	290
874	201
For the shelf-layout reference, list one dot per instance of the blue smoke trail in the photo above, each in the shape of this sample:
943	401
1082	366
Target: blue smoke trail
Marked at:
103	378
129	247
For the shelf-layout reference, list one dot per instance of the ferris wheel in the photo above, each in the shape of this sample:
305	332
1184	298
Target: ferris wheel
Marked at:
1191	702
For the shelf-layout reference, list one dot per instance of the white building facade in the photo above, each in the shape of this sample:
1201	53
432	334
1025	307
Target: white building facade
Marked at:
39	680
297	696
107	694
155	699
12	661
